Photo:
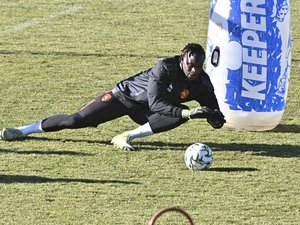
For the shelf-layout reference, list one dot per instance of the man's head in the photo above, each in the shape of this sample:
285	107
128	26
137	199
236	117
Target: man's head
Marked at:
191	60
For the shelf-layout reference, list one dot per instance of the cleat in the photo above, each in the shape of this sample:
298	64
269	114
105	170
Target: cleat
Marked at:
122	141
11	134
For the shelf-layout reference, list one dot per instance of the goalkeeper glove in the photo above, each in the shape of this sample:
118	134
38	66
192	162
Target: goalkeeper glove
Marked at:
200	112
216	119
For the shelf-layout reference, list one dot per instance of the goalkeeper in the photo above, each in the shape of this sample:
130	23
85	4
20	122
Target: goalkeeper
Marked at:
152	98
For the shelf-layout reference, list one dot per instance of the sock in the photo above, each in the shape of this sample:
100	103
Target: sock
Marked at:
35	127
141	131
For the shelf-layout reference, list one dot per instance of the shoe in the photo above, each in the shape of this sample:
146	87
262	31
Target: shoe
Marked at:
11	134
122	141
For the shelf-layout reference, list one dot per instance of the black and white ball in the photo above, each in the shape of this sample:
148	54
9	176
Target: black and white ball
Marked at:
198	156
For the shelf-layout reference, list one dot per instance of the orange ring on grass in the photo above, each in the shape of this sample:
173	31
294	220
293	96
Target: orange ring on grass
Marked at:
171	209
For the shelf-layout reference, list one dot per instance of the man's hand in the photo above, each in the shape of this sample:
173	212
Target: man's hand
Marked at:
216	119
200	112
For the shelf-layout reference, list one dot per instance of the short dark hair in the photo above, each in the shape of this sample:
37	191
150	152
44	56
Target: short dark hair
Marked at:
193	48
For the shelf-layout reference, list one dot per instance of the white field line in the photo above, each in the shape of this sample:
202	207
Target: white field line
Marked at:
37	21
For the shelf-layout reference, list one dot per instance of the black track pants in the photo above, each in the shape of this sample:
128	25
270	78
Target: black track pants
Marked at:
106	108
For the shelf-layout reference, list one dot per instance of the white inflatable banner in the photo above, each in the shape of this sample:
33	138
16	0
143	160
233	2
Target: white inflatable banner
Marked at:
248	60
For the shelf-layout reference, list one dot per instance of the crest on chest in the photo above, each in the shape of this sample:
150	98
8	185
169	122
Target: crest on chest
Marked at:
183	92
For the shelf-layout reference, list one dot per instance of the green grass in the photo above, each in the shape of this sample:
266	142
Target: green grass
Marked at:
75	176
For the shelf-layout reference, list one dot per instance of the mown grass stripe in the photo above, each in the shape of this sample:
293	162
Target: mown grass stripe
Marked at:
37	21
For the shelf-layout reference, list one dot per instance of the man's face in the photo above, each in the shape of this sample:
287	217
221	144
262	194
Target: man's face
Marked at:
192	65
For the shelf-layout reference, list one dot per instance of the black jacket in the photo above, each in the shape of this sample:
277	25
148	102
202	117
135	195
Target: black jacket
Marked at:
163	88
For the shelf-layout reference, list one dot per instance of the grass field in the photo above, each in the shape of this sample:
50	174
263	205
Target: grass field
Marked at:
57	55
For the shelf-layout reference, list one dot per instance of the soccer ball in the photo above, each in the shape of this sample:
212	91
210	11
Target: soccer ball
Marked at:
198	156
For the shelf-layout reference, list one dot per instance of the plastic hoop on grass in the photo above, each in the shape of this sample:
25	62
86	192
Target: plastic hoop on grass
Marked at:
171	209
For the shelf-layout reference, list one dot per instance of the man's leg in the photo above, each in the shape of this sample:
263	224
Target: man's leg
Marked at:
123	141
161	123
156	123
53	123
102	109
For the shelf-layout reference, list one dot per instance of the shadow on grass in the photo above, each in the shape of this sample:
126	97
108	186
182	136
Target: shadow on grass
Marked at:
69	140
295	60
271	150
286	128
277	150
44	152
233	169
9	179
75	54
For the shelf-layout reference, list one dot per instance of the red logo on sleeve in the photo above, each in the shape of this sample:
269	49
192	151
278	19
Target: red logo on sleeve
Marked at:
184	93
106	97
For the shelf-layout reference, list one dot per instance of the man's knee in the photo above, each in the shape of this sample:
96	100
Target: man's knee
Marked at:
75	121
164	123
